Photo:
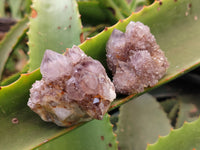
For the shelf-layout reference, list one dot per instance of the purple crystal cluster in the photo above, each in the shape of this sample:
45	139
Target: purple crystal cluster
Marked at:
135	59
74	88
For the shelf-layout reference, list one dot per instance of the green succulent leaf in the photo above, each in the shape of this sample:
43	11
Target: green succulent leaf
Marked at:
141	121
94	135
168	104
137	3
14	77
150	1
14	96
11	39
123	6
26	5
15	8
101	15
113	6
28	131
172	115
2	6
54	26
184	138
133	5
177	32
188	110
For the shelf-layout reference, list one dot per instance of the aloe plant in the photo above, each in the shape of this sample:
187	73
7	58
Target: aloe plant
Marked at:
56	26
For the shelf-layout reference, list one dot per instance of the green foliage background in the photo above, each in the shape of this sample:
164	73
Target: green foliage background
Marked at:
161	115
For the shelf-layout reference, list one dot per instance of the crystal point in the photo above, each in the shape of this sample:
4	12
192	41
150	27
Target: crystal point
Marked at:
75	54
54	65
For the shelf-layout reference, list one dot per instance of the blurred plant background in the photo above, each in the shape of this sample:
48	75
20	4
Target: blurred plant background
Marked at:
28	27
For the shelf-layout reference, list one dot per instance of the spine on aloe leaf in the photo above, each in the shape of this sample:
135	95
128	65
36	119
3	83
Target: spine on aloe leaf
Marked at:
74	88
135	59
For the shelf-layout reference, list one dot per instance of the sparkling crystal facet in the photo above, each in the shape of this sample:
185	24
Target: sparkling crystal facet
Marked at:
135	59
74	88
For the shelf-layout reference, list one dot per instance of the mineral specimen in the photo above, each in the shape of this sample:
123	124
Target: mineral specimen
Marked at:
74	88
135	59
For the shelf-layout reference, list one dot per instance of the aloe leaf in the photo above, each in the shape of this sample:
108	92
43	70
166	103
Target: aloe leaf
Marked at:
184	114
27	131
10	79
184	138
141	121
10	41
133	5
15	8
14	96
123	6
27	5
91	31
53	26
94	135
2	10
101	15
137	3
175	32
172	115
149	1
188	111
112	5
168	104
14	77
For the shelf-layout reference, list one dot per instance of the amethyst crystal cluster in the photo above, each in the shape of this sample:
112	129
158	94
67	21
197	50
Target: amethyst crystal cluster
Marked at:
135	59
74	88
